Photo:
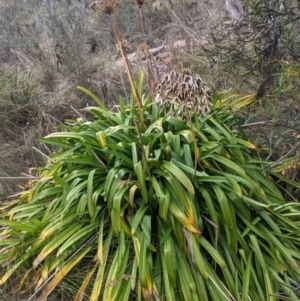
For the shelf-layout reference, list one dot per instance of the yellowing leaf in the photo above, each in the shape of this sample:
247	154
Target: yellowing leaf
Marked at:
101	139
62	273
179	174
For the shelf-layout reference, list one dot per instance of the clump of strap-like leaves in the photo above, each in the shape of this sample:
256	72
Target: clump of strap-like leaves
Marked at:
153	206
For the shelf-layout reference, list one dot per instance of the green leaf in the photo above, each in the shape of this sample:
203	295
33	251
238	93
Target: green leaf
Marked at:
225	208
179	174
171	260
64	135
75	238
188	169
141	180
90	189
56	242
230	164
101	112
116	212
138	217
164	202
212	252
93	96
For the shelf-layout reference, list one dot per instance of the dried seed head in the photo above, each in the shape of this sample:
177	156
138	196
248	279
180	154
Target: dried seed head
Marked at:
182	92
143	49
93	5
105	6
126	45
142	2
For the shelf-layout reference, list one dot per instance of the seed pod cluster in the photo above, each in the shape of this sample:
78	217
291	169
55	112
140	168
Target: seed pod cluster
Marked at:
142	2
107	7
183	94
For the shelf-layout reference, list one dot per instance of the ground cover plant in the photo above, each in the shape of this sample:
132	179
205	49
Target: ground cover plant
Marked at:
158	206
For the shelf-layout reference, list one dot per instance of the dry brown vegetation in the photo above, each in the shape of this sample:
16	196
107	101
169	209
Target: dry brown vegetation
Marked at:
50	47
